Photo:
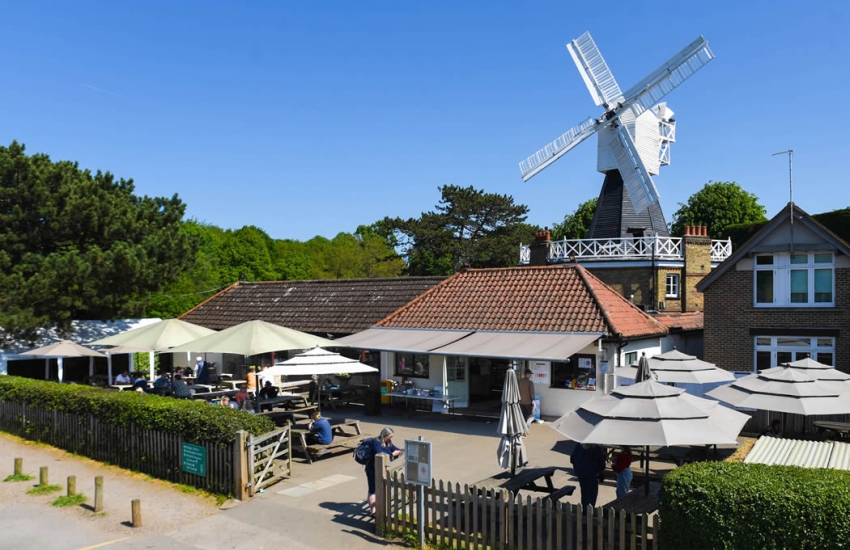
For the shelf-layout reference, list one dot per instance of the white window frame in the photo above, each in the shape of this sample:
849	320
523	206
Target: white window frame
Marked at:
815	345
671	285
782	268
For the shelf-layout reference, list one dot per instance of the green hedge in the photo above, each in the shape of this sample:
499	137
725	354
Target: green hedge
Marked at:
741	506
194	420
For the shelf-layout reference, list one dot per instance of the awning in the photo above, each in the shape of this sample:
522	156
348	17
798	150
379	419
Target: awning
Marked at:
519	345
413	340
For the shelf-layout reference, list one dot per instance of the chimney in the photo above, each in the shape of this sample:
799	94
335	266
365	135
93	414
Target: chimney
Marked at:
539	249
697	248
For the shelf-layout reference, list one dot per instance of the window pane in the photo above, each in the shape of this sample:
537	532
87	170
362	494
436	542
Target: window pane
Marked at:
764	287
631	357
764	260
763	360
799	286
826	343
783	357
800	259
793	342
825	358
823	286
823	258
762	341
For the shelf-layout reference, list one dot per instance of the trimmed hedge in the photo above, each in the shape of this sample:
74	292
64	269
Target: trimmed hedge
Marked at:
735	506
193	420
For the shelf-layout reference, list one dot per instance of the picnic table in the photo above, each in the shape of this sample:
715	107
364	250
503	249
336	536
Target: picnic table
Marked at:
841	429
344	394
233	384
347	435
410	400
525	480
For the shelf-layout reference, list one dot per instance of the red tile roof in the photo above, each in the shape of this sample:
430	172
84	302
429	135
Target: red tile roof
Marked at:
328	306
681	321
545	298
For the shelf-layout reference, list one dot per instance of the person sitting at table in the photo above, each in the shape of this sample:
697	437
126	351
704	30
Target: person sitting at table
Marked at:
162	384
225	401
774	430
242	398
140	383
123	378
313	389
181	389
268	392
320	430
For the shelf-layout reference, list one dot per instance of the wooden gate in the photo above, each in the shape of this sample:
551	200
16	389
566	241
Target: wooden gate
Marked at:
269	458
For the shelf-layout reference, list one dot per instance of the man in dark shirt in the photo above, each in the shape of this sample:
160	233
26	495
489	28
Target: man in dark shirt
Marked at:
526	397
588	465
180	387
268	392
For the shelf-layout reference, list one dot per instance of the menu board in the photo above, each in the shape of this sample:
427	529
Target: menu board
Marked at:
541	372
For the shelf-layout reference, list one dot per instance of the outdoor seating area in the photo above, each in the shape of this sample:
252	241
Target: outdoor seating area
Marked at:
347	435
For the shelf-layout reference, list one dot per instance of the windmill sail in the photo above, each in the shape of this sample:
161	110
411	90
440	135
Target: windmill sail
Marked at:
594	71
558	148
667	77
636	179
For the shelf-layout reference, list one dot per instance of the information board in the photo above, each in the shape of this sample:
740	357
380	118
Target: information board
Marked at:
417	462
541	372
193	459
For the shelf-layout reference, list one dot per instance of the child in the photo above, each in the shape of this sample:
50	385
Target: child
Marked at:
622	467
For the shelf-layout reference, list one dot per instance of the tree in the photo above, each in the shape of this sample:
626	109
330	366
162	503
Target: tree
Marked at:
577	224
718	205
77	245
470	228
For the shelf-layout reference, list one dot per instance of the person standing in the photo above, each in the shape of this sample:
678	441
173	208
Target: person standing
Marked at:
198	366
588	465
526	398
381	444
622	466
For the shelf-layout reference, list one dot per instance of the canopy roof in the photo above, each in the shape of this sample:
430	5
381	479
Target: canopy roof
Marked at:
63	348
157	336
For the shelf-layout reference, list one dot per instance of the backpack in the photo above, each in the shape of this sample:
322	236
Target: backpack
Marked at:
364	452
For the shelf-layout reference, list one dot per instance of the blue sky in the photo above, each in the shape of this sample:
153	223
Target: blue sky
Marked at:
311	118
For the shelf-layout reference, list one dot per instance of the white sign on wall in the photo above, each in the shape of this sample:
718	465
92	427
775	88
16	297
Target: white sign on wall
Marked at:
541	372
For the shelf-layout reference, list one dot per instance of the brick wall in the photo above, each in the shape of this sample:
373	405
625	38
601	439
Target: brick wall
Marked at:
697	265
628	281
729	315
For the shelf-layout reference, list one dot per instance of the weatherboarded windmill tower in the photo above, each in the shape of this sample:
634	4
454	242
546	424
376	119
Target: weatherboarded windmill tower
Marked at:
629	246
634	136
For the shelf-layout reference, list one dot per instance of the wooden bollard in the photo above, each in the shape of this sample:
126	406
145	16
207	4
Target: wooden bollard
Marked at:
19	466
72	485
42	476
98	494
136	507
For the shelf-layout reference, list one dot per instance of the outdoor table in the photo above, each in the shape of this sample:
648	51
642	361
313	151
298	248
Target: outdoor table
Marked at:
122	387
525	480
234	384
208	396
201	388
842	429
288	401
409	400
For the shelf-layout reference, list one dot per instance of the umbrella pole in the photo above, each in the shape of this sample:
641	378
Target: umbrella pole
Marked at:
646	476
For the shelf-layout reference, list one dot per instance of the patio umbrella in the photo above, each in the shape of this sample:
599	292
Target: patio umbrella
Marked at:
818	371
680	368
651	414
253	338
157	336
786	390
60	350
318	361
512	426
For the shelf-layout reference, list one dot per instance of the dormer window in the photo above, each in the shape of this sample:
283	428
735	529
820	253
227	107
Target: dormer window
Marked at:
803	279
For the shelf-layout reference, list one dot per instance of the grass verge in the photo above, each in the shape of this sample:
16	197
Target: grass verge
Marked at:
69	500
18	477
44	489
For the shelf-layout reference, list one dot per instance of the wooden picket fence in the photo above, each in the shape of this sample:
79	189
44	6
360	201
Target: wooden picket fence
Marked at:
152	452
461	516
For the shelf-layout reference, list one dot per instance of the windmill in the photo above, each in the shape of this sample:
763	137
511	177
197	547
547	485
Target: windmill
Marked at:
634	132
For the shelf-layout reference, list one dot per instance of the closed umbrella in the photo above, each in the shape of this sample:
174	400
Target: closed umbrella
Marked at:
512	426
643	373
680	368
651	414
60	350
318	361
253	338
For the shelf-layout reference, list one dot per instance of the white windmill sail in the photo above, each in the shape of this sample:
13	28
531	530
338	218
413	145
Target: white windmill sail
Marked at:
634	142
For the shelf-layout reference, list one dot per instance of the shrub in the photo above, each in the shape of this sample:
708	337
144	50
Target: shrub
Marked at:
734	505
193	420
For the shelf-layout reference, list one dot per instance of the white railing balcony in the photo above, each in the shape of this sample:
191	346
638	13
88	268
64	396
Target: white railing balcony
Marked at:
637	248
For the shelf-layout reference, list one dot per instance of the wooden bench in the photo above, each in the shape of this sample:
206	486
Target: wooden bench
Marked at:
343	439
565	491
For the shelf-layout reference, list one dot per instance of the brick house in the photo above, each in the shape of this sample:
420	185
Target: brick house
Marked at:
782	296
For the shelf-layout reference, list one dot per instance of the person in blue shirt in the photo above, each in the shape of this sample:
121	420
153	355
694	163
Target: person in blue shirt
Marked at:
381	444
320	429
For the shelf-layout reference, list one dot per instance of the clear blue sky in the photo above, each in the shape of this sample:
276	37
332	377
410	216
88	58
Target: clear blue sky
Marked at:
311	118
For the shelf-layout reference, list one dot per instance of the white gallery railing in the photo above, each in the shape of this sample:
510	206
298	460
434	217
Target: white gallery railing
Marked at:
644	248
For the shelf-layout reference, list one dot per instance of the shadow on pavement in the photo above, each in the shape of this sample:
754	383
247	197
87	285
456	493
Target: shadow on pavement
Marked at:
356	516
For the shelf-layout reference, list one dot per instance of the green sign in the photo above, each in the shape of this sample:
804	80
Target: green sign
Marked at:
193	459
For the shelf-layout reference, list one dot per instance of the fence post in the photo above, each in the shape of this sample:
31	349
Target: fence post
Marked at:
136	511
98	494
72	485
240	466
380	492
42	476
19	466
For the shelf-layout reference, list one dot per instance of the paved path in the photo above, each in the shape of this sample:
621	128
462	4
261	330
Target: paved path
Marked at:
322	506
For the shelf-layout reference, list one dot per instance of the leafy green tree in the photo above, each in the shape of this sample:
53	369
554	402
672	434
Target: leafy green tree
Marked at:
577	224
246	254
469	228
77	245
718	205
293	260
